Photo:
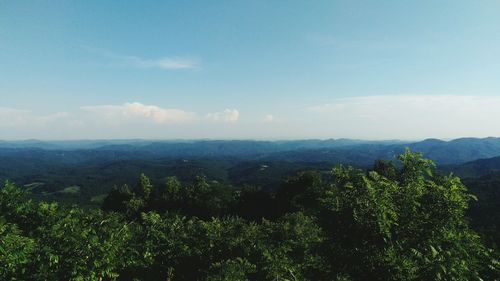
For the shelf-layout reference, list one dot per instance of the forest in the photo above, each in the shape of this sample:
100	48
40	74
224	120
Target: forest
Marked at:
397	220
326	140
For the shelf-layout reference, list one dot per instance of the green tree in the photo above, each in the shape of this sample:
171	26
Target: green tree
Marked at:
409	228
16	252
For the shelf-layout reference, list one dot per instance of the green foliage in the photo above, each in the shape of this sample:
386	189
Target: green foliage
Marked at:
230	270
412	228
485	211
16	252
405	223
299	192
117	199
83	244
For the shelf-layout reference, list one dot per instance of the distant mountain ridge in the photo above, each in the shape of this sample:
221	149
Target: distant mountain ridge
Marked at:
46	168
459	150
137	143
333	150
476	168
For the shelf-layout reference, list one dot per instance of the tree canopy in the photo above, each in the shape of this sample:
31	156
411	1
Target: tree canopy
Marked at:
398	221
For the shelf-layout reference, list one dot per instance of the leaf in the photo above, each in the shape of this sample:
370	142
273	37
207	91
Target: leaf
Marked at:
434	251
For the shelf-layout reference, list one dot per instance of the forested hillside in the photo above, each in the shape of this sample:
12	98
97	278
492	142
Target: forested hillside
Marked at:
249	140
84	171
401	221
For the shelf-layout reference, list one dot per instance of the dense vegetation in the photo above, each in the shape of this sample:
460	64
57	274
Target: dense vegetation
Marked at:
398	221
485	213
83	172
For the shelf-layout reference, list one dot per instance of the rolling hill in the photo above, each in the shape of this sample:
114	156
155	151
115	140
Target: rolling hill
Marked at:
95	166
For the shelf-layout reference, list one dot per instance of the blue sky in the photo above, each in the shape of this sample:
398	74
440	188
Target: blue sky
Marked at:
249	69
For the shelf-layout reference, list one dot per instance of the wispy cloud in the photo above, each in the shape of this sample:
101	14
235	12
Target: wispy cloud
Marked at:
127	111
228	116
113	115
11	117
164	63
269	118
366	117
411	116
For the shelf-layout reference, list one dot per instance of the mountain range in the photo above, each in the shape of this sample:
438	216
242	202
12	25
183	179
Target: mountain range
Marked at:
49	168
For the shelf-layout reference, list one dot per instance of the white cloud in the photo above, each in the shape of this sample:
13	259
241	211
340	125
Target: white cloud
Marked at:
369	117
158	115
165	63
177	63
228	115
269	118
11	117
411	116
127	120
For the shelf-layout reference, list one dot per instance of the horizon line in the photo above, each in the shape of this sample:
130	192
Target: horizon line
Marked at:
240	139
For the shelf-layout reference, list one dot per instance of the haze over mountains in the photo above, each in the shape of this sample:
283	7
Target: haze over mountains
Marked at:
335	150
48	168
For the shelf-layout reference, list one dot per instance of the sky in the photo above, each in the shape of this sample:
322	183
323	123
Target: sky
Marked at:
249	69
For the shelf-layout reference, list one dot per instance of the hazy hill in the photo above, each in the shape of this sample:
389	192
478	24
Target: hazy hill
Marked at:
343	150
459	150
476	168
49	167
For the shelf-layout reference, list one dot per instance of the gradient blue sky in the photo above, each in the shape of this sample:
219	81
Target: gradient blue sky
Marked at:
249	69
